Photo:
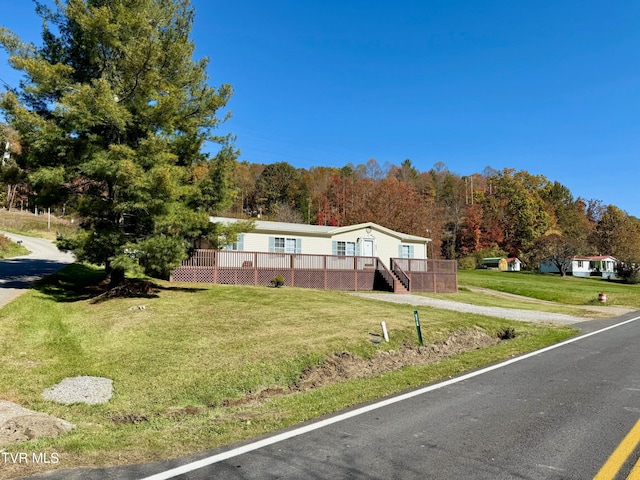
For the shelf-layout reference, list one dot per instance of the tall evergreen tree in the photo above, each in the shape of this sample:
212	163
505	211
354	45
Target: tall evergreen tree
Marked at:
112	114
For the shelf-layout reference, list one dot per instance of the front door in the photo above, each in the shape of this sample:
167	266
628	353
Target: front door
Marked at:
367	248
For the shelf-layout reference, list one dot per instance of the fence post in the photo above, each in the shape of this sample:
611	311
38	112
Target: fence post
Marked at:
255	268
355	273
325	271
215	266
291	266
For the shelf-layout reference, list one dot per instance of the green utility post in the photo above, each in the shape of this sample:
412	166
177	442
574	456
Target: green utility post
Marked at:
415	315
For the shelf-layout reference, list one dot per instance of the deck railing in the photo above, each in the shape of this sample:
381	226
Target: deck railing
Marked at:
400	274
233	259
332	272
425	275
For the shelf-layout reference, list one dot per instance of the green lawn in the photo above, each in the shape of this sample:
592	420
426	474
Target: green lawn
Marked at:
567	290
465	295
180	364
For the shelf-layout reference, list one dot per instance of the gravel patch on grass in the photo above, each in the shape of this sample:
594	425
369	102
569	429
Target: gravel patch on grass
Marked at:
90	390
508	313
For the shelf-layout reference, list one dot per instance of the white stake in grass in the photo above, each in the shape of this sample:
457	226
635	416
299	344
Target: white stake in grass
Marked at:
384	331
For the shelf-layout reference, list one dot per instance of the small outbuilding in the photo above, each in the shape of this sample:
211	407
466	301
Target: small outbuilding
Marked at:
501	263
510	265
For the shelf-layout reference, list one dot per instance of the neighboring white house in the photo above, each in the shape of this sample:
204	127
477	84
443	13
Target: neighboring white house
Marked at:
365	239
601	266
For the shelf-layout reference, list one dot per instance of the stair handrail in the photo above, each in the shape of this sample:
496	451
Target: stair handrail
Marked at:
382	269
402	276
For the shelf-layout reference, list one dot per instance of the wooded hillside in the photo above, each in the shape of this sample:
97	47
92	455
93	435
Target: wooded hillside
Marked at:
492	213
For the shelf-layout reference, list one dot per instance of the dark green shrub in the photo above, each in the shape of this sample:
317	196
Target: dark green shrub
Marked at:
277	281
467	263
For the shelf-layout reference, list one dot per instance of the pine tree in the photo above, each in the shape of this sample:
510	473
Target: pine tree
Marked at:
112	115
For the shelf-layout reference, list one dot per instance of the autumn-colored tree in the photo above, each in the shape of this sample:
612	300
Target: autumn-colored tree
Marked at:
452	200
471	229
393	204
593	209
279	184
517	208
317	182
373	170
245	176
617	234
567	216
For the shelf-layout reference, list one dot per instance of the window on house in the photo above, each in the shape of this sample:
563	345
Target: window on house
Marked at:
346	249
579	263
238	245
406	251
351	249
278	244
290	245
284	245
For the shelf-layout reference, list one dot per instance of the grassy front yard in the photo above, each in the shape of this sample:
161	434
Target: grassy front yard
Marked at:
567	290
182	365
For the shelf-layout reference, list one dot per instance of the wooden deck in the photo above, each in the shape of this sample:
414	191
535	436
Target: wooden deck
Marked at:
328	272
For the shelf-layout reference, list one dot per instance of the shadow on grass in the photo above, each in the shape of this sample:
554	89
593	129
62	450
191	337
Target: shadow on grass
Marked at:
73	283
79	282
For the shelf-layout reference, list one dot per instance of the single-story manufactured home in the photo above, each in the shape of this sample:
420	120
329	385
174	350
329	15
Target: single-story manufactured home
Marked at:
317	256
364	240
585	266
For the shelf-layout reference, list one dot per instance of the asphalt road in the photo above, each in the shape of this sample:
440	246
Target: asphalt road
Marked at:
18	273
555	414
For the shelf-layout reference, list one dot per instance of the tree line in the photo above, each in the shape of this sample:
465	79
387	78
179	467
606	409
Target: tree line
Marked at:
492	213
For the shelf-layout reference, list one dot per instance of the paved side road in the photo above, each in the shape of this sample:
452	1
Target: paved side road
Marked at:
18	273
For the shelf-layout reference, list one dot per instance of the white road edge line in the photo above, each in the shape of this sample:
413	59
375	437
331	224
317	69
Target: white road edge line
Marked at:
189	467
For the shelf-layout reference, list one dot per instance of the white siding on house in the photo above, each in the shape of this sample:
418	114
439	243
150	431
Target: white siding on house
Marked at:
259	242
321	240
255	242
585	266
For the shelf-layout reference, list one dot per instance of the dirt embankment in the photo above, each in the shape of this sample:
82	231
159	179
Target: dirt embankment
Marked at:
18	424
344	366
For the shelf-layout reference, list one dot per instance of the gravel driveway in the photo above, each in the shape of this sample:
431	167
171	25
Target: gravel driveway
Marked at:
508	313
18	273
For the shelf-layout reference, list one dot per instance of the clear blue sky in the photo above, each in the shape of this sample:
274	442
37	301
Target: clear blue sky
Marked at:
551	87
